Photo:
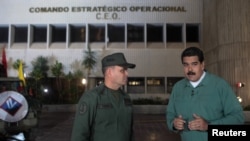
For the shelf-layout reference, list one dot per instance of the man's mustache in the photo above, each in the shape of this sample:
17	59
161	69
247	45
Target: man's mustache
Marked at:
191	73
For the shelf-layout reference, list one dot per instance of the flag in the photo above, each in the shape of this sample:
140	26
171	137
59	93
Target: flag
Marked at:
4	62
20	73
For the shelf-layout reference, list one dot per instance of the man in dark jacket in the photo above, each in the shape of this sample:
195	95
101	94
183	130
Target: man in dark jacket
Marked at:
105	112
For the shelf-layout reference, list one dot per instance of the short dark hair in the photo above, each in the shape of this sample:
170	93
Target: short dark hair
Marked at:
104	69
193	51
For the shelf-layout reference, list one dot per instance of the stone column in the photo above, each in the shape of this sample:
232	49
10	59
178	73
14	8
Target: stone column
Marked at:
226	42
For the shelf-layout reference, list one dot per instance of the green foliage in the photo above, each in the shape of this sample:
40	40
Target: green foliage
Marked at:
89	60
78	74
39	73
57	69
63	88
69	76
17	63
40	68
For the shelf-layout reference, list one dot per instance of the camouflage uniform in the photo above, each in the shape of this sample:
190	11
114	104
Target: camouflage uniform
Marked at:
103	115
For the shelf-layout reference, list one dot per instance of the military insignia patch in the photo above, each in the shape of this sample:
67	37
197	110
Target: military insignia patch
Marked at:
82	108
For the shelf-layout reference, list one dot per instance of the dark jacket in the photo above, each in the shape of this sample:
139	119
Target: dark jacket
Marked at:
100	117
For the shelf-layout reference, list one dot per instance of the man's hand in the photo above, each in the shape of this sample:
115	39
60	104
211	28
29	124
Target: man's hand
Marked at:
179	123
198	123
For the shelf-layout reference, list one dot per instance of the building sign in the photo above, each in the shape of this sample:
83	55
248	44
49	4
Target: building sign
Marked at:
107	12
75	11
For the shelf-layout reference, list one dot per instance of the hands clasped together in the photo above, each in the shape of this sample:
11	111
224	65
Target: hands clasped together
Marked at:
198	123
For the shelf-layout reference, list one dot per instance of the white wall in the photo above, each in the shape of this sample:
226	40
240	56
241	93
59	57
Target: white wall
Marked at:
20	11
152	60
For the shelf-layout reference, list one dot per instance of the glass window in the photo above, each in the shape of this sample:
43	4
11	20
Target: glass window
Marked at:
59	33
155	85
100	80
4	34
170	83
77	33
136	85
174	33
154	33
40	33
192	33
21	34
135	33
97	33
116	33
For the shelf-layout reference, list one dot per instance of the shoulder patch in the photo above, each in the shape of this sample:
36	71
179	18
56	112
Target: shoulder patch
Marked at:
82	108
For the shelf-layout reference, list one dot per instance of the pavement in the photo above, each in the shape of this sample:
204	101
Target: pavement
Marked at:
57	126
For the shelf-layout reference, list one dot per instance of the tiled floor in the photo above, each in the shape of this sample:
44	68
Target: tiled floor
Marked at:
58	126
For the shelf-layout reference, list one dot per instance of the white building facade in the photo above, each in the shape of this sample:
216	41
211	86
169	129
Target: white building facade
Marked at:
151	34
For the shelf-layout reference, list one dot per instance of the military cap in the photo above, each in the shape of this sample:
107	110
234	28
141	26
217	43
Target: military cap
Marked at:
116	59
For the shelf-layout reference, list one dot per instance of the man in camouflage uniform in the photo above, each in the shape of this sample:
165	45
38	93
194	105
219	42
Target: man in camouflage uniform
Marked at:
105	112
